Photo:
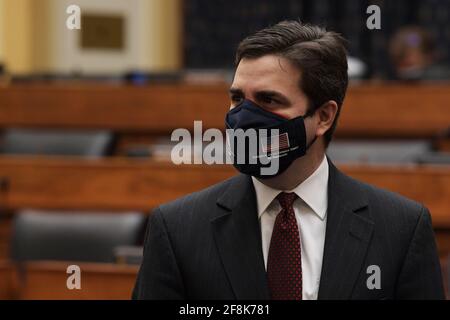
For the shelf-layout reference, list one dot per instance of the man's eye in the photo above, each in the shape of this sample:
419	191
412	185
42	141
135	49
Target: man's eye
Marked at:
268	100
236	99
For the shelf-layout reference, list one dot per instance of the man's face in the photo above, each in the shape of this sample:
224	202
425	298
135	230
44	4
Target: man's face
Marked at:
272	82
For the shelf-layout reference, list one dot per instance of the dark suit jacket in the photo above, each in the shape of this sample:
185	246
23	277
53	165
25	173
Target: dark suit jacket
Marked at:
207	245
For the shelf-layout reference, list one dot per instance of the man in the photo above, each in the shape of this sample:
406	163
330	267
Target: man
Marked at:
306	232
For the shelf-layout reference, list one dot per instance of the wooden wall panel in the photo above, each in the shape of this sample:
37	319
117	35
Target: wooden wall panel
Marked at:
384	110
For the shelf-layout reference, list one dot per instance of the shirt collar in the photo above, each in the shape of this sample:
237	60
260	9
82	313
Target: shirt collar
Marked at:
313	191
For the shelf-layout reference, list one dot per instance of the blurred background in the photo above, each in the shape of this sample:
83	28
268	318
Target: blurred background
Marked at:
86	118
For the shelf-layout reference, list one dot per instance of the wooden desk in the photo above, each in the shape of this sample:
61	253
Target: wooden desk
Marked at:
47	280
7	280
124	184
443	241
158	108
389	110
109	184
395	110
116	184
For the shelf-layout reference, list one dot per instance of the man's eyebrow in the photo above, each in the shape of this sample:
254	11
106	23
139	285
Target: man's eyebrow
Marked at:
236	91
260	95
272	94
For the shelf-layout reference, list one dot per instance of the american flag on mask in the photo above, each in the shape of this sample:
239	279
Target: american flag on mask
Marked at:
269	145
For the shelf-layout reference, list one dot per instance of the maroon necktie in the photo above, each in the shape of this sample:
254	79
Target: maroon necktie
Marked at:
284	263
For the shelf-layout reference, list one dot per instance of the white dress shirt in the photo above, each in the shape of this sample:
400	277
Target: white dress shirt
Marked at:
311	214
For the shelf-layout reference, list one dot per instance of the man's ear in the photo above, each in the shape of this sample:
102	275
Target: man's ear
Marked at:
325	116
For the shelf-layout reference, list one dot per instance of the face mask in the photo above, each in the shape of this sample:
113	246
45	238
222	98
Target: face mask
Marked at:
279	141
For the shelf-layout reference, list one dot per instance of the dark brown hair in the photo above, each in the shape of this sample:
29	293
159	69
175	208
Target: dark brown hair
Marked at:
320	55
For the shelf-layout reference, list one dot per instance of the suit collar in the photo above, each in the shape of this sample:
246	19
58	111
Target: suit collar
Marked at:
238	189
346	189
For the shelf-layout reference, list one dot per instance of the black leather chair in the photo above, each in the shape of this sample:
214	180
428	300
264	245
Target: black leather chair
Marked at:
73	236
378	151
442	158
56	142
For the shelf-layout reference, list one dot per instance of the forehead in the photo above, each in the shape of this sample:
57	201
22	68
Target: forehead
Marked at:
268	72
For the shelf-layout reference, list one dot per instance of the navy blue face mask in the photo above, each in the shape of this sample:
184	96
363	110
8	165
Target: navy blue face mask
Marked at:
260	153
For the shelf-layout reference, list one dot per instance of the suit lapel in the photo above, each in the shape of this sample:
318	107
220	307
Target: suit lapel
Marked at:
348	234
238	239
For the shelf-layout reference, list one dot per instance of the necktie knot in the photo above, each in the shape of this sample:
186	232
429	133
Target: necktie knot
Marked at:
286	200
